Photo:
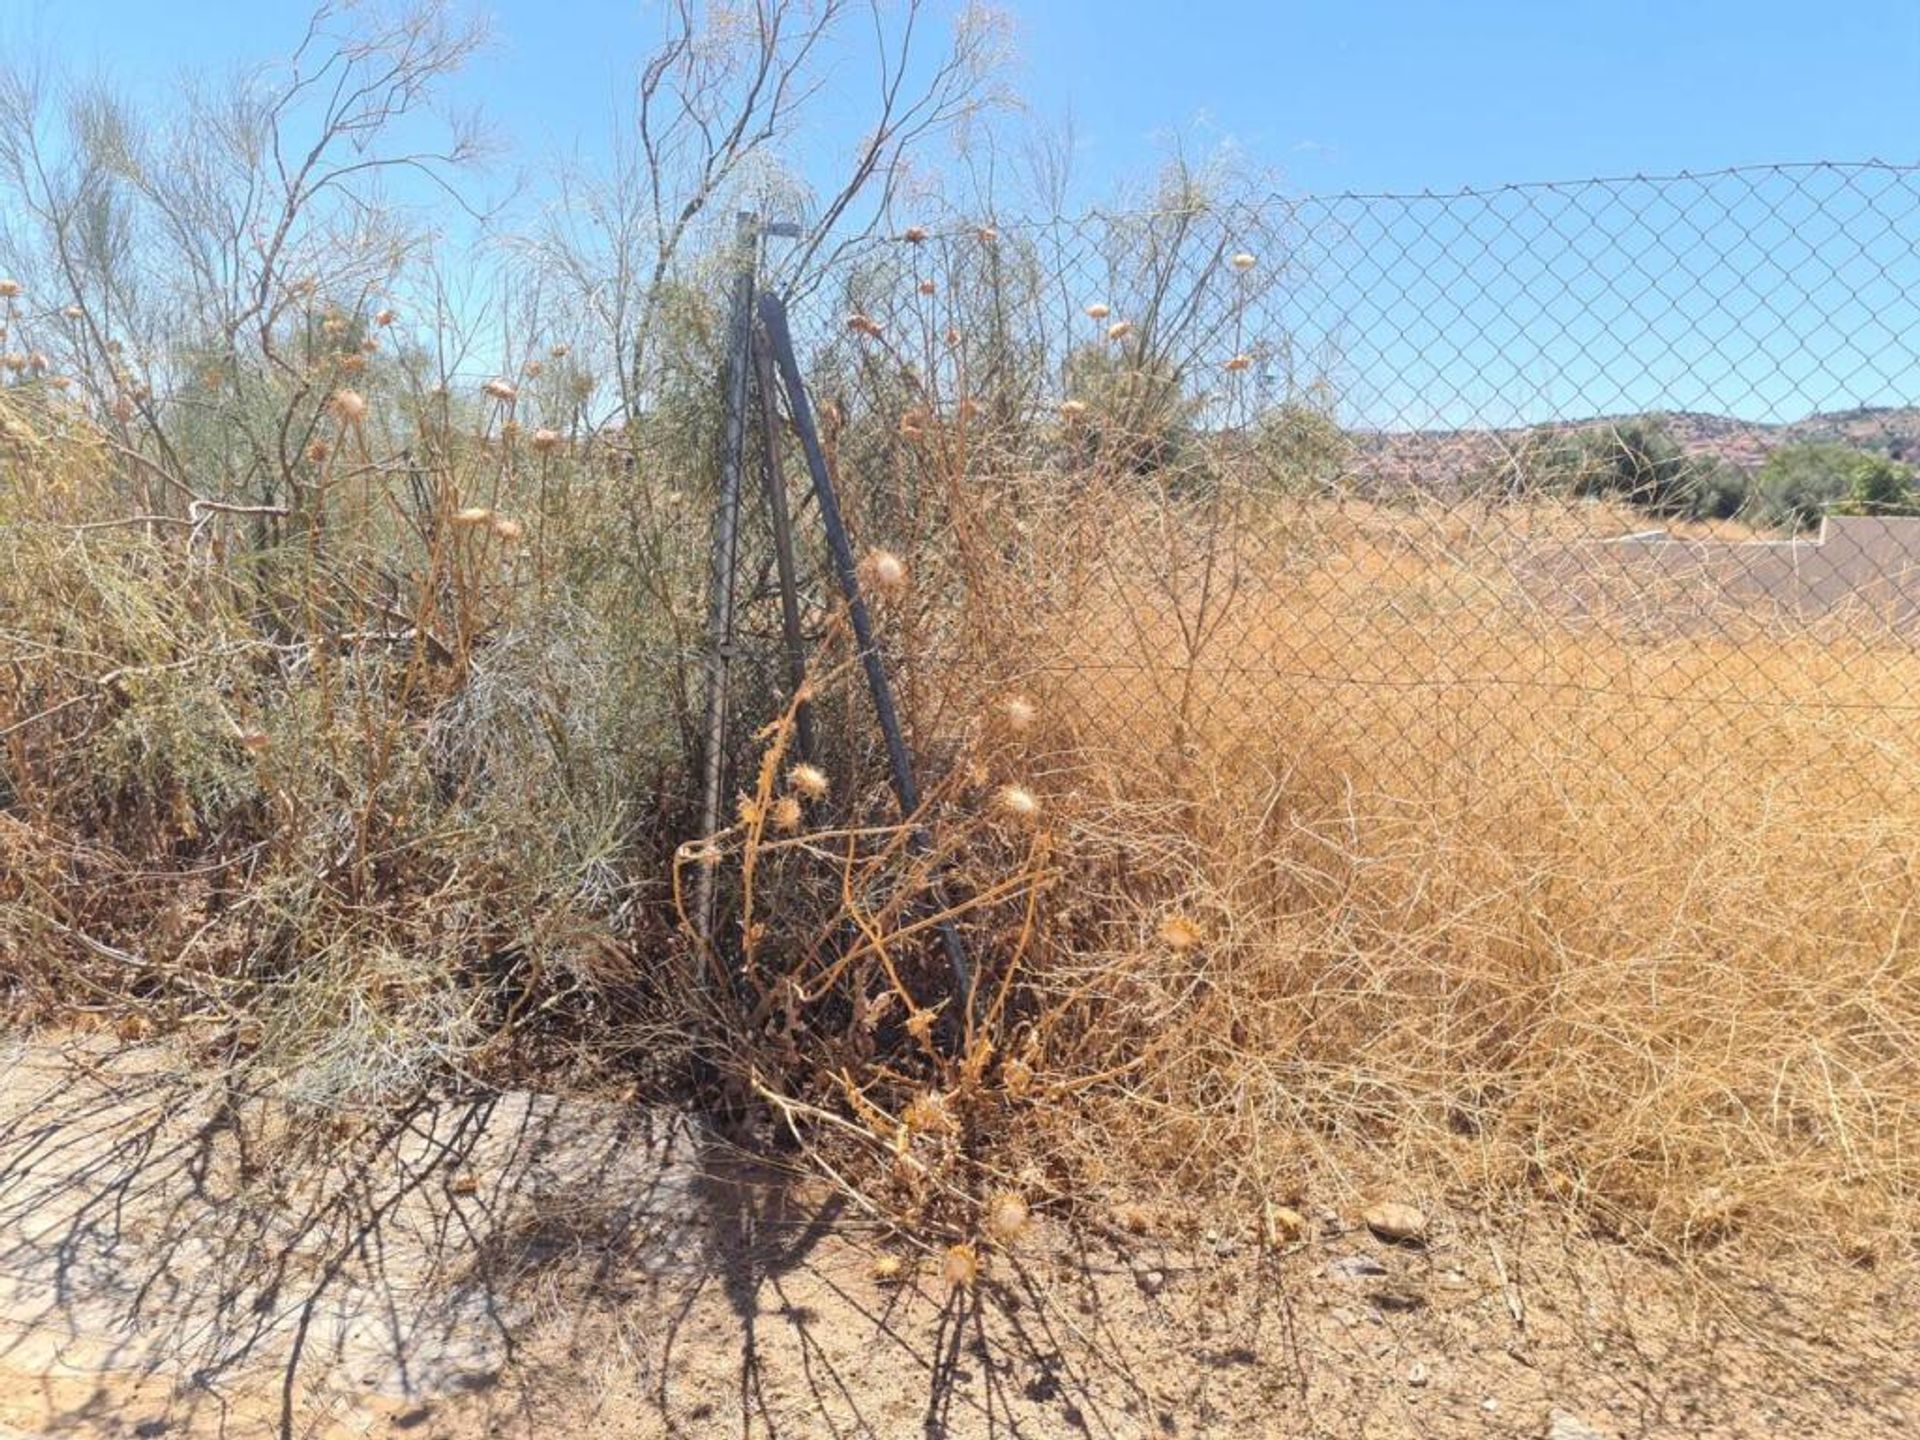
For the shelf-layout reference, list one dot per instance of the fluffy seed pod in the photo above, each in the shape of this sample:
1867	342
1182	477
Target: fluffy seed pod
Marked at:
809	780
1073	409
1239	363
884	574
1119	330
786	815
1180	934
963	1267
1019	714
473	515
913	235
1243	261
927	287
863	325
385	318
500	389
545	439
1099	310
1016	802
74	312
558	352
9	289
505	527
986	234
318	452
1007	1219
349	407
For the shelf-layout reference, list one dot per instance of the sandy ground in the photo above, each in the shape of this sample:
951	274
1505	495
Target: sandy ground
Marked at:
173	1263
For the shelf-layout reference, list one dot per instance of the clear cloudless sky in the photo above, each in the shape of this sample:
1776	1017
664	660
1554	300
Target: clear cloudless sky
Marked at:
1338	94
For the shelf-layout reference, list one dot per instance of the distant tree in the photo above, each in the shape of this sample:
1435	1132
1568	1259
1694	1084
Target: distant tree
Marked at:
1800	483
1300	447
1636	460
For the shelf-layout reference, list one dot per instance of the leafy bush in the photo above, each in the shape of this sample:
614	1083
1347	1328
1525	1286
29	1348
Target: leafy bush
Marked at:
1800	483
1636	460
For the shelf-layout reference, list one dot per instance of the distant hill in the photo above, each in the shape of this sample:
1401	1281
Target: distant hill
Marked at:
1443	459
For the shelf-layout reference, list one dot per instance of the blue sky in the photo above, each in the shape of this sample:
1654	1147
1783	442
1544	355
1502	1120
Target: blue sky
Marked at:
1383	95
1356	95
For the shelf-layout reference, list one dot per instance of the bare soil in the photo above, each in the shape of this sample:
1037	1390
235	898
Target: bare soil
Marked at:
178	1259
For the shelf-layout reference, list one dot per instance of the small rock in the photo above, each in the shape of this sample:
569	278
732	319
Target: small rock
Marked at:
1356	1267
1401	1224
1563	1425
1489	1404
1285	1225
1153	1281
1417	1373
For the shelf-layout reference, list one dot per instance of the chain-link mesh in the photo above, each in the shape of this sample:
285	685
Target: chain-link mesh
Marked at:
1613	474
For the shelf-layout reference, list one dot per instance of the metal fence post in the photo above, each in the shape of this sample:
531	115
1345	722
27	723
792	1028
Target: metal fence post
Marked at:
726	529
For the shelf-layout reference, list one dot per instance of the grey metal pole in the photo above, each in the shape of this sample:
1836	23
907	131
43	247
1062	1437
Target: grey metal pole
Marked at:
726	530
777	512
773	320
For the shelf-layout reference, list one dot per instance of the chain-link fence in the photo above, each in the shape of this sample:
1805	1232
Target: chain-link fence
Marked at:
1612	475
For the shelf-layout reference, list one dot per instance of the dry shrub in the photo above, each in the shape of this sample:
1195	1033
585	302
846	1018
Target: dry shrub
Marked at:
361	801
1297	848
1375	875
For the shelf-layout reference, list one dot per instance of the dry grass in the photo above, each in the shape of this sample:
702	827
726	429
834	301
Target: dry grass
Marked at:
1347	869
1494	903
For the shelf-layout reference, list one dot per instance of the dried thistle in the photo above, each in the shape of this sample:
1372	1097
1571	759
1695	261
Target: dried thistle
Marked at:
809	780
1016	802
545	440
884	574
1099	310
501	389
1119	330
962	1267
348	407
1179	933
1007	1219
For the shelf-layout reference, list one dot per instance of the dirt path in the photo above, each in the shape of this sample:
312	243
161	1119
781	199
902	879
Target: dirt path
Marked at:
171	1263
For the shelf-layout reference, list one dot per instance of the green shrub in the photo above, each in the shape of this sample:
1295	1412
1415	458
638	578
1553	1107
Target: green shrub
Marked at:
1800	483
